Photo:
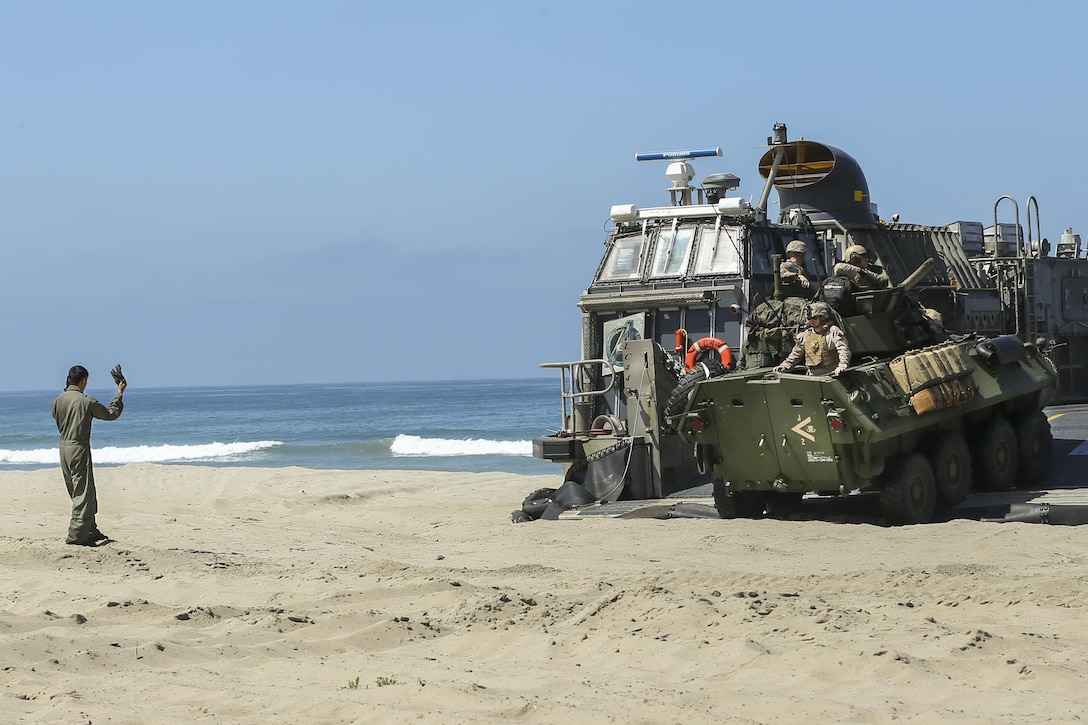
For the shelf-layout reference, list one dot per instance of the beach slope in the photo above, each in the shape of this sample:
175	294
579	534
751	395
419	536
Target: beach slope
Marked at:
250	595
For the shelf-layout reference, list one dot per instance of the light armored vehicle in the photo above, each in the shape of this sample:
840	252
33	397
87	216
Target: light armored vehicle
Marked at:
919	427
971	330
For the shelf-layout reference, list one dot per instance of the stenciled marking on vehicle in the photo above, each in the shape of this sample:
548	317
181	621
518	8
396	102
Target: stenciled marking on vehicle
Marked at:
819	457
804	428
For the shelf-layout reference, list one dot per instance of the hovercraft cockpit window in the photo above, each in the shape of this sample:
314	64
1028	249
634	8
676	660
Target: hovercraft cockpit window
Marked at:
719	250
671	252
624	260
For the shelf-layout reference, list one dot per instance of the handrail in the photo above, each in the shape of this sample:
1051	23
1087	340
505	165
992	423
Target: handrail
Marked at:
1032	201
569	392
998	238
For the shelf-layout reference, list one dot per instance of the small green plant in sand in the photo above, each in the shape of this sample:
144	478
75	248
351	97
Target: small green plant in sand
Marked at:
352	685
382	681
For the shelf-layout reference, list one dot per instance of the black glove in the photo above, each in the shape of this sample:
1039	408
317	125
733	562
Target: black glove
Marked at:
118	376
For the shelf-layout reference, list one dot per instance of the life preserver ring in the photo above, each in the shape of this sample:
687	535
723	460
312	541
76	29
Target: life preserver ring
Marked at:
709	343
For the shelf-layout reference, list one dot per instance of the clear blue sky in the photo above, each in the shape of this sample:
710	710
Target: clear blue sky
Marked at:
218	193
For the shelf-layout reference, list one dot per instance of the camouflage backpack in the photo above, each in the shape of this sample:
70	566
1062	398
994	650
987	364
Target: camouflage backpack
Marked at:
771	328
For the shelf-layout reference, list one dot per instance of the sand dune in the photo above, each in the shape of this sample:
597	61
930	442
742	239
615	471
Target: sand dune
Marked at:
292	595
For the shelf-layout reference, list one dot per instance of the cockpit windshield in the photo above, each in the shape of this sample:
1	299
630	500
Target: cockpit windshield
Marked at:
719	250
623	260
716	250
671	252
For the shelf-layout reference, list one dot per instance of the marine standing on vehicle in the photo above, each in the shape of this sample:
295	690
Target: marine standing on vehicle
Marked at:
823	345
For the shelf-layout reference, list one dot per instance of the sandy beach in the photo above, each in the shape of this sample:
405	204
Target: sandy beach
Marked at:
243	595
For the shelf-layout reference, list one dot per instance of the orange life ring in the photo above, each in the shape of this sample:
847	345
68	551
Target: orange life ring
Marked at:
709	343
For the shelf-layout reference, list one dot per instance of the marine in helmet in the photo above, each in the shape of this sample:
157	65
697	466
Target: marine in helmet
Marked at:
856	267
823	345
792	271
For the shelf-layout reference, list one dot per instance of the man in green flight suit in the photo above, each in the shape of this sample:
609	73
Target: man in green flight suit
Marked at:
74	410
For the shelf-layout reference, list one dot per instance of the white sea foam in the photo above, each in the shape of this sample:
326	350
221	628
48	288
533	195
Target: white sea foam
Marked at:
142	454
406	445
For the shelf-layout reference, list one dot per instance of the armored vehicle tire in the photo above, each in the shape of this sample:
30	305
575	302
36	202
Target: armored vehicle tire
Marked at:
996	457
678	401
950	459
1035	446
909	495
738	504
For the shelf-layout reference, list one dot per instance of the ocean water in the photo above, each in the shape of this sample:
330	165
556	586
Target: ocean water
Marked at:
477	426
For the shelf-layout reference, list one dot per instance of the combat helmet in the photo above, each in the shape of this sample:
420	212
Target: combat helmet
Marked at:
796	247
819	309
855	252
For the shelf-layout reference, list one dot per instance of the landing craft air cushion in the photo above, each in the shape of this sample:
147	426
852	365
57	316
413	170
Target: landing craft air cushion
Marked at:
687	314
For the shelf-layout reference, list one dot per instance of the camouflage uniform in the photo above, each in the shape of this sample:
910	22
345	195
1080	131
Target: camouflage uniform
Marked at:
792	274
823	351
790	270
73	410
862	278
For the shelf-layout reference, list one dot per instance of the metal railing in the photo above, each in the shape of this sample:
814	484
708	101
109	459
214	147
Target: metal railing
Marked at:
577	403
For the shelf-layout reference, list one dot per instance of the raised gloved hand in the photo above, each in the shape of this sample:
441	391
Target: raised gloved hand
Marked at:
118	376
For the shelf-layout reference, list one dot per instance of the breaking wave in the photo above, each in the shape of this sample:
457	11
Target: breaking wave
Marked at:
144	454
409	445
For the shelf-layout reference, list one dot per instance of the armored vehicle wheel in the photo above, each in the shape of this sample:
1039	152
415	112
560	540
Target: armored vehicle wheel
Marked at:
1035	445
950	458
995	461
680	394
909	495
738	504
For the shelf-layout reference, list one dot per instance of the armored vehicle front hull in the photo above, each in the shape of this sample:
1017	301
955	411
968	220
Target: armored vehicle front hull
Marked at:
922	428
